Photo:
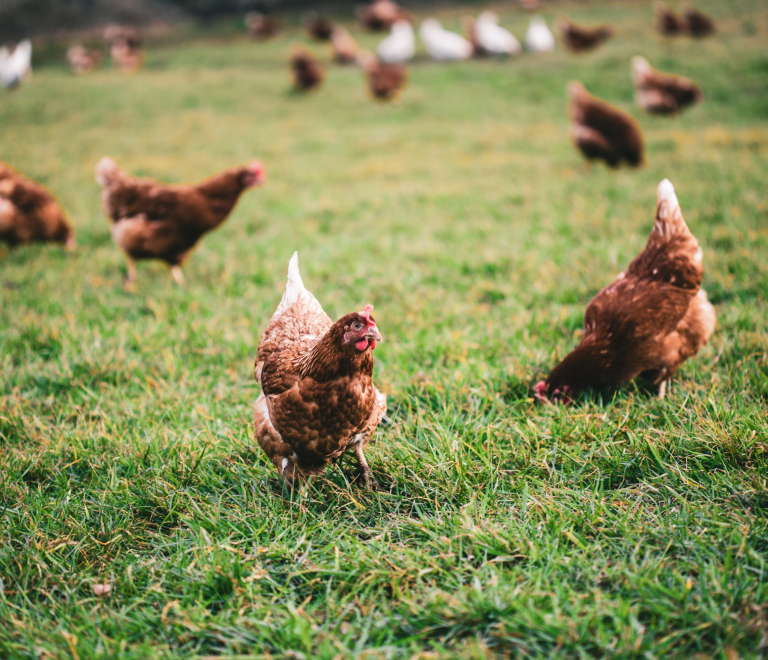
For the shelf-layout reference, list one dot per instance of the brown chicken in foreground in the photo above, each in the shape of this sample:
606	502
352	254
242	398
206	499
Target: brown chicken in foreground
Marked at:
668	22
307	71
649	321
344	47
662	93
29	213
582	39
381	15
318	398
385	81
698	23
83	60
603	131
152	220
260	26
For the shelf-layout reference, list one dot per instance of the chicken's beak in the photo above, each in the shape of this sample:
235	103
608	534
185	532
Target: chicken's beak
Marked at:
373	333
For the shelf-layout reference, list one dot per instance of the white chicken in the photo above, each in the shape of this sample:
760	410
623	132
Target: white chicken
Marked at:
442	45
539	38
399	46
16	65
493	39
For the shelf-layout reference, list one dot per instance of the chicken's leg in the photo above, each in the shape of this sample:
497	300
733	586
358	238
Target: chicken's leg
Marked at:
364	471
177	275
662	388
130	276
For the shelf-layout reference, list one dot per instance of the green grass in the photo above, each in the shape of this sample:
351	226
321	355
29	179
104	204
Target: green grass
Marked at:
628	527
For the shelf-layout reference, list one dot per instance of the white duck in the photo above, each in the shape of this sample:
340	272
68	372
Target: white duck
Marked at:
443	45
494	39
538	38
399	46
16	65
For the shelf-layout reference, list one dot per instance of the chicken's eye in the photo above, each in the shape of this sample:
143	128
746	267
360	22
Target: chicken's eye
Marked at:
357	325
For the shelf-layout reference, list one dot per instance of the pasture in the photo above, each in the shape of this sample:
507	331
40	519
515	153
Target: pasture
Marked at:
625	526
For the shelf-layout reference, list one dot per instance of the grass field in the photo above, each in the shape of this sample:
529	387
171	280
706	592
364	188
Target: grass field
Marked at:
629	527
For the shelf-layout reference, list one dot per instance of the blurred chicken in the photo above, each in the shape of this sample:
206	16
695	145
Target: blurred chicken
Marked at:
529	5
16	65
649	321
488	37
83	60
381	15
668	22
442	45
152	220
698	23
308	72
318	27
662	93
580	38
399	46
343	45
601	130
385	81
261	26
125	48
538	38
318	398
29	213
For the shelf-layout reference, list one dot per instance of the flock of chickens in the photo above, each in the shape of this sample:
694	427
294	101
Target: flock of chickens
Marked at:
318	398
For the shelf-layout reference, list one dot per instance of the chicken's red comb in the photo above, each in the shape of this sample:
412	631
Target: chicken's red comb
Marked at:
367	314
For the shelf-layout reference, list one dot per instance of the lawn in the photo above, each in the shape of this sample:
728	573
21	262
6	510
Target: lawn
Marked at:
619	527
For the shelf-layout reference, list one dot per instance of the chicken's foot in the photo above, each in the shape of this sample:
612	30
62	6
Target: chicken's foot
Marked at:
662	388
364	471
130	277
177	275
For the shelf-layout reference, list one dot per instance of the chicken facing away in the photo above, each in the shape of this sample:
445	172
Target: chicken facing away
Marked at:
344	47
307	71
16	65
698	23
385	81
29	213
83	60
261	26
603	131
443	45
668	22
649	321
152	220
381	15
662	93
399	46
582	39
488	37
318	27
318	398
538	37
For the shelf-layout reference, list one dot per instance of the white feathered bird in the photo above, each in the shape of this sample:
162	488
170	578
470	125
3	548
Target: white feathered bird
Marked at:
539	38
16	65
443	45
494	39
399	46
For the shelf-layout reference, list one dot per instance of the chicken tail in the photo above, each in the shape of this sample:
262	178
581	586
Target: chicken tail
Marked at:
641	70
295	289
107	171
669	216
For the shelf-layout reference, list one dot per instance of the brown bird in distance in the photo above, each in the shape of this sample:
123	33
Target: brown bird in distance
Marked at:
83	60
318	398
699	24
125	48
649	321
662	93
343	46
582	39
603	131
668	22
152	220
318	27
261	26
385	81
380	15
308	72
29	213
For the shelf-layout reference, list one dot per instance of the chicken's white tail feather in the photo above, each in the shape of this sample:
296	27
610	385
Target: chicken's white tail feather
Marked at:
294	289
666	191
669	215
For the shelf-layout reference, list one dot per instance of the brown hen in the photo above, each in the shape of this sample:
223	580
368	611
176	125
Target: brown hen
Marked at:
29	213
698	23
385	81
152	220
380	15
260	26
83	60
344	47
308	72
318	398
580	38
603	131
668	22
649	321
662	93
